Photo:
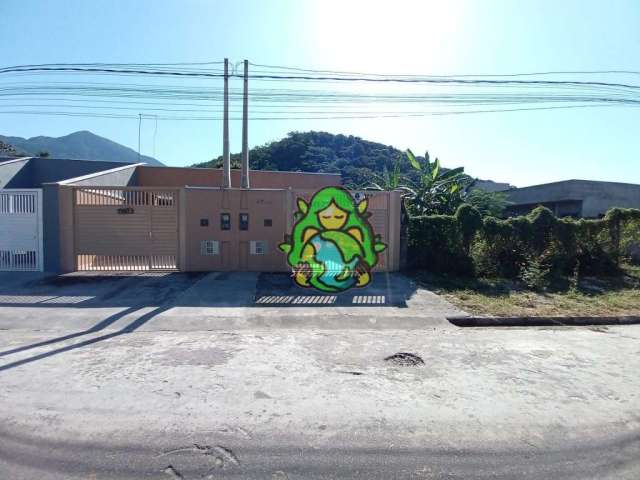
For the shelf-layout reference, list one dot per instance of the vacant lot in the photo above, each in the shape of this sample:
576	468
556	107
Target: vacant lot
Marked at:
616	296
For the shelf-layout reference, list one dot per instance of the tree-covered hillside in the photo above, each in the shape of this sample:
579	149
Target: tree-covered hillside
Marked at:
82	145
356	159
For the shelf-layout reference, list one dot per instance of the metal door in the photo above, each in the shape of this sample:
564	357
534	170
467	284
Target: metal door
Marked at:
21	230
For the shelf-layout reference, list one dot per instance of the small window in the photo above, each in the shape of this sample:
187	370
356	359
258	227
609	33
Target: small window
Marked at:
268	222
209	247
244	221
204	222
225	221
258	247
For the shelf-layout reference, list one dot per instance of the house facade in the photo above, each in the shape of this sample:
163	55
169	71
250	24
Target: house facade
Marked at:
29	236
138	217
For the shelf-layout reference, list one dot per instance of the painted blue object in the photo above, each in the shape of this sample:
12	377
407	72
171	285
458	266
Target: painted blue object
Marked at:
328	254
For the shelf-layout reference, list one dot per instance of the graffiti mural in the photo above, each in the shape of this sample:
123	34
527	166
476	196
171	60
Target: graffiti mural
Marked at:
332	246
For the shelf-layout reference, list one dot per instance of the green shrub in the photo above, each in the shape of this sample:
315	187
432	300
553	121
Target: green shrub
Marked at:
536	273
536	248
436	244
630	238
497	250
469	222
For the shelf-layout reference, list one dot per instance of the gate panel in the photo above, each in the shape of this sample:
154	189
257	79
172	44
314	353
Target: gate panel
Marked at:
379	209
21	230
164	230
126	228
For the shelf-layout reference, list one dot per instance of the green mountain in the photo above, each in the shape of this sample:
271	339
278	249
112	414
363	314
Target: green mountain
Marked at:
81	145
356	159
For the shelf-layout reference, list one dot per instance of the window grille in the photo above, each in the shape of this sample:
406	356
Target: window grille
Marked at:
209	247
258	247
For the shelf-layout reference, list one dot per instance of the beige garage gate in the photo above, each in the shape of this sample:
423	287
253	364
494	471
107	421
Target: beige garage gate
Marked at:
126	228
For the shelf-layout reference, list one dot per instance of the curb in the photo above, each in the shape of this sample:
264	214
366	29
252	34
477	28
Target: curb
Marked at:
542	321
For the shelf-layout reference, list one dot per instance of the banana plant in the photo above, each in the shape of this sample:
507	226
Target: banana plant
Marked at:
390	179
435	191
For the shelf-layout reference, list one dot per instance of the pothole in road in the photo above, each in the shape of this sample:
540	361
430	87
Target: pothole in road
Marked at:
405	359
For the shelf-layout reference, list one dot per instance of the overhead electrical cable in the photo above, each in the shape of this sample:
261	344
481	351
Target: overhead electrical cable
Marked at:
193	89
378	79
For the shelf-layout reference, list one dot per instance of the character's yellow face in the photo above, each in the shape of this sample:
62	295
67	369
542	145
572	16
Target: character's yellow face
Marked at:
332	217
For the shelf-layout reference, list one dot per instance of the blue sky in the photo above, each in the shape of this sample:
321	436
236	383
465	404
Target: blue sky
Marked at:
412	37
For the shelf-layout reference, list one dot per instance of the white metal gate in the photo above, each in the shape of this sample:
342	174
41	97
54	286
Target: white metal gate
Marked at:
21	229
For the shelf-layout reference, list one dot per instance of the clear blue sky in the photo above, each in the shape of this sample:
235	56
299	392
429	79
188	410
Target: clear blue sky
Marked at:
391	37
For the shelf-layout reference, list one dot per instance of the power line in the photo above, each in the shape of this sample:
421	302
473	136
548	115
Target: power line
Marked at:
345	117
463	92
209	93
550	72
337	72
108	70
284	110
371	78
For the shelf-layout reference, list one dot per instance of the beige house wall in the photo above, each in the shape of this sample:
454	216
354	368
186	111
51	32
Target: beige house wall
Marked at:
234	245
95	228
66	228
212	177
207	204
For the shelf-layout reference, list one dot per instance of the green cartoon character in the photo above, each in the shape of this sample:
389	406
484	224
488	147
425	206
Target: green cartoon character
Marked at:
332	246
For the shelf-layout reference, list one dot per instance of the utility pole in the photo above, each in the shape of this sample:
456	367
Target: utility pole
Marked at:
139	127
245	122
226	160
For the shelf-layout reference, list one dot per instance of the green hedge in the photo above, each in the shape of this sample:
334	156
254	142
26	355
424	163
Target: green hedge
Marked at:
534	247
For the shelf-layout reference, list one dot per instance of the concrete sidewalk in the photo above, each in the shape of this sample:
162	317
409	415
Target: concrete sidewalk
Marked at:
211	301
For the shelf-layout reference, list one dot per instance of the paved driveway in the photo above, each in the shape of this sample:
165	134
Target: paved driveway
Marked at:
210	301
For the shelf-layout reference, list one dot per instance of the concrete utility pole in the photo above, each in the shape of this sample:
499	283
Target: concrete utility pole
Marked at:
139	128
245	122
226	160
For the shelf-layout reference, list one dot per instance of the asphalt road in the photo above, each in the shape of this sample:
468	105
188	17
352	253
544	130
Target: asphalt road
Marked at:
263	459
199	376
536	403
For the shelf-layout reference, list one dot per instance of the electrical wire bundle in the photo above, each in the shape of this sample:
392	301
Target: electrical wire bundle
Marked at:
193	92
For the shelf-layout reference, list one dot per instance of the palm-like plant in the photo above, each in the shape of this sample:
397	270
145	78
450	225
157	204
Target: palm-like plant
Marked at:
435	191
390	179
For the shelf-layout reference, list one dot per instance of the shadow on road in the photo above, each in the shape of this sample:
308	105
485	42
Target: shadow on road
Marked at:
135	293
141	320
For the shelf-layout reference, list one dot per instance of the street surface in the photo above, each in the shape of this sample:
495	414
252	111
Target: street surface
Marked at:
131	398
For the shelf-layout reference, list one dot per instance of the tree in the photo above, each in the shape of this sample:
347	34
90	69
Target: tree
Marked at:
234	161
489	204
7	149
435	192
43	154
362	164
